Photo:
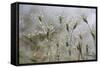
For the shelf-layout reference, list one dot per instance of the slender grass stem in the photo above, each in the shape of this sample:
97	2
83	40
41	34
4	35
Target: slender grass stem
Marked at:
71	33
57	52
87	51
89	27
92	34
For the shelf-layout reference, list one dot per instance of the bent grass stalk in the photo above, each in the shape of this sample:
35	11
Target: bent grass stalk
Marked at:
91	32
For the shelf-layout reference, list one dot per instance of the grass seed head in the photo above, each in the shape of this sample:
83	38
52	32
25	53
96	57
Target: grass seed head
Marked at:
40	18
93	35
67	44
84	19
75	25
60	19
67	27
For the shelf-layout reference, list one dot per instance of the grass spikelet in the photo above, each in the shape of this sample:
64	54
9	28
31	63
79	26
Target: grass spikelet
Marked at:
75	26
40	18
85	19
57	45
67	44
67	27
93	35
60	19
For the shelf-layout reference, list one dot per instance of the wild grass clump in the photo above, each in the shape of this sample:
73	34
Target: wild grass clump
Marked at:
49	33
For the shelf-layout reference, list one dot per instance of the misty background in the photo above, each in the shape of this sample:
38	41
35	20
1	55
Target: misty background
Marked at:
55	49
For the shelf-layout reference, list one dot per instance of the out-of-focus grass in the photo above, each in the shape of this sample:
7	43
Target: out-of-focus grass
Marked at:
48	34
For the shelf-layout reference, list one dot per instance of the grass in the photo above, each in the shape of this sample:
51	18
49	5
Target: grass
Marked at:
50	33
